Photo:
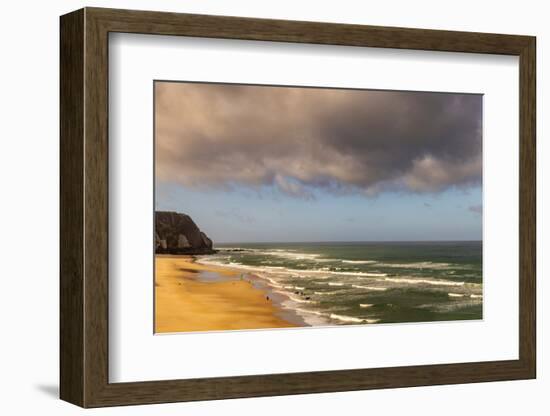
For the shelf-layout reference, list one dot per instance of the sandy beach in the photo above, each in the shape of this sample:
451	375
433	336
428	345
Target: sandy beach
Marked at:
194	297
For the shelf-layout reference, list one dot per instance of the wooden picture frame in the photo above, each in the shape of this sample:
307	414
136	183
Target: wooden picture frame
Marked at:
84	207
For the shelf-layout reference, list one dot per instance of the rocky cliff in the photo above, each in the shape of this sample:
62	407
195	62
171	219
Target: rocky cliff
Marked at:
178	234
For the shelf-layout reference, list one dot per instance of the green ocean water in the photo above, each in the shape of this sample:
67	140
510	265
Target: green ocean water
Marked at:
367	282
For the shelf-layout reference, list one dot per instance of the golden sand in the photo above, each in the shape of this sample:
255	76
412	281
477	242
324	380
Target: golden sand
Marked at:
185	303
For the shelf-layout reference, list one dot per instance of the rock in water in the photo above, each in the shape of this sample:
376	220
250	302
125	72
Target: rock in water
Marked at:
177	233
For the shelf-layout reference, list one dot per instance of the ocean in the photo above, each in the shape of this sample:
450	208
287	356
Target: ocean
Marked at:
365	282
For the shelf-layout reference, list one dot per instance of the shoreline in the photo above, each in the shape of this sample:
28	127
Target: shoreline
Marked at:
302	317
191	296
373	294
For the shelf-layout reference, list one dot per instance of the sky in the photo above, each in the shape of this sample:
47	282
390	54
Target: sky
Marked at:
291	164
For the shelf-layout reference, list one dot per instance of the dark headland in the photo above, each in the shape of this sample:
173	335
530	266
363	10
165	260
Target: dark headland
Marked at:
177	233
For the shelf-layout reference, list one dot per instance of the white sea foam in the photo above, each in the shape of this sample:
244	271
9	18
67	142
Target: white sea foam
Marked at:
451	306
420	265
423	281
335	284
309	271
318	318
474	296
365	305
235	264
276	285
345	318
305	271
295	255
369	275
359	261
321	273
273	282
359	274
326	293
456	295
313	318
291	254
375	288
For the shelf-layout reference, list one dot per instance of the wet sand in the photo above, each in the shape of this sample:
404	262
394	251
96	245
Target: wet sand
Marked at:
196	297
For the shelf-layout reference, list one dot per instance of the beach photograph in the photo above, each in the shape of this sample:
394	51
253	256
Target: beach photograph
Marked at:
293	207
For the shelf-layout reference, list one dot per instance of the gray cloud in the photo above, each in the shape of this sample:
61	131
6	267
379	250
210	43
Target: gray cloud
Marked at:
292	187
302	139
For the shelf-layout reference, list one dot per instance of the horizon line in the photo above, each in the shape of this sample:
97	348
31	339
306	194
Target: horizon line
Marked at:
350	241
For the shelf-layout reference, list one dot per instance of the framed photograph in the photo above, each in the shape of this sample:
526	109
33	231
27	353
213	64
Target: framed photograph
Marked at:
255	207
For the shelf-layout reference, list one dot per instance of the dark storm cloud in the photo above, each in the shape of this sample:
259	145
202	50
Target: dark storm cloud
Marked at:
302	139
